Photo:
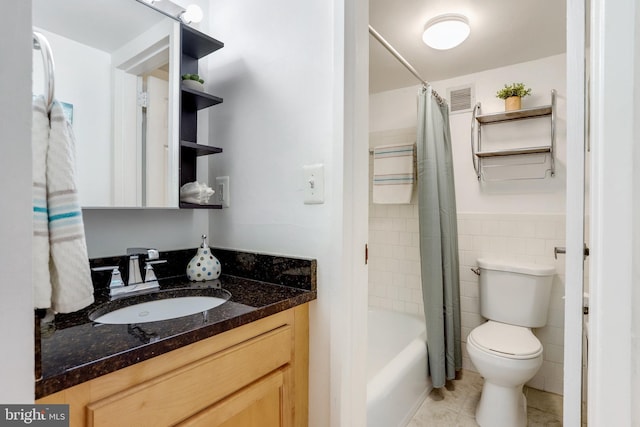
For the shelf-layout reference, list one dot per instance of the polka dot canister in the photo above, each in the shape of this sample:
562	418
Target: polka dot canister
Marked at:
204	266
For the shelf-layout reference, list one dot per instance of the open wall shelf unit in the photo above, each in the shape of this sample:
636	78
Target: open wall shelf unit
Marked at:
479	120
194	45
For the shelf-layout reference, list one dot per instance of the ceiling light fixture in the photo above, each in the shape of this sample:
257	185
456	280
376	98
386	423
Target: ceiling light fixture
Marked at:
446	31
193	13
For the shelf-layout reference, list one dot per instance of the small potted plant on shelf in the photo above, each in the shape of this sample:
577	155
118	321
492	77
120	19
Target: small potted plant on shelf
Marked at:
512	95
193	81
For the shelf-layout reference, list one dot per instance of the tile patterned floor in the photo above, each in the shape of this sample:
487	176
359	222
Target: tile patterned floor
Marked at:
454	405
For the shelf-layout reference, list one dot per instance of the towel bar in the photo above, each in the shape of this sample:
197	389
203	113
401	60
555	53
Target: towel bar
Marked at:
41	43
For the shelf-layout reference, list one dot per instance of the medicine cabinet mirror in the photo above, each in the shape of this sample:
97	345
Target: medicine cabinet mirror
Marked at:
116	73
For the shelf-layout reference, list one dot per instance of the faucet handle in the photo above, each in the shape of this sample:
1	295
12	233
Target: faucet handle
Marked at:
149	274
116	278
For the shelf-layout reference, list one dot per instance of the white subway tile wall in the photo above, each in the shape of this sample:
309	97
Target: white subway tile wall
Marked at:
394	269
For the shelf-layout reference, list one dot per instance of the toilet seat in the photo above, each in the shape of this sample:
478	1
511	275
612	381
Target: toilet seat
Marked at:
500	339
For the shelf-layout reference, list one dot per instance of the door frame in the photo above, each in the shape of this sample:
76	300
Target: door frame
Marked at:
574	262
611	363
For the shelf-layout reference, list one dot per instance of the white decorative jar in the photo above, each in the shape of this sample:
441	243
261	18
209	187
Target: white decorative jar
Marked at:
203	266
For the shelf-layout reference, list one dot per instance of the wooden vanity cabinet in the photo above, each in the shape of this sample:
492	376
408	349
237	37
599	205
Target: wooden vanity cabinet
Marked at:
253	375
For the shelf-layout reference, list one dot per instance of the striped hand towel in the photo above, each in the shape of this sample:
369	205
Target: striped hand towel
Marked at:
40	245
71	286
393	174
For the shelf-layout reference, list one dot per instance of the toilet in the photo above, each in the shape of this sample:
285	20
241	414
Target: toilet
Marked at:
514	297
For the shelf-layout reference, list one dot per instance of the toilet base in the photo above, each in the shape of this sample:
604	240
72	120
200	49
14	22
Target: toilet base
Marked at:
501	406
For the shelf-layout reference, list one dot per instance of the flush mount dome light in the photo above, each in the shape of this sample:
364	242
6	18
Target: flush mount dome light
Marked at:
446	31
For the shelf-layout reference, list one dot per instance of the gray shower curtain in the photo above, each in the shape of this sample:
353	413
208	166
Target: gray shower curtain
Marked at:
438	239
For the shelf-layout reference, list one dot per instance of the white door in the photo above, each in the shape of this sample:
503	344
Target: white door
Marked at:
126	136
156	142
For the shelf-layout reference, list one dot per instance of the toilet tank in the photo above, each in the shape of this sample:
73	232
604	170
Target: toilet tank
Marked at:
515	293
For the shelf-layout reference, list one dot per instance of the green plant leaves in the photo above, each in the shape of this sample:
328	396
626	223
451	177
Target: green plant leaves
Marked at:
194	77
515	89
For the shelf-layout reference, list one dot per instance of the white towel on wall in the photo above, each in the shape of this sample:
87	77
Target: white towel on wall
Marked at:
70	286
393	173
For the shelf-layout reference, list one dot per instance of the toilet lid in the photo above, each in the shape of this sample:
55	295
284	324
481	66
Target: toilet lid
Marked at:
506	340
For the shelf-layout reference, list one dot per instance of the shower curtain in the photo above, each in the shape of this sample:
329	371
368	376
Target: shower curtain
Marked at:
438	239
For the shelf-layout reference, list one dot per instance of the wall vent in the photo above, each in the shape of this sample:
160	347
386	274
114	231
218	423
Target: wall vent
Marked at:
461	99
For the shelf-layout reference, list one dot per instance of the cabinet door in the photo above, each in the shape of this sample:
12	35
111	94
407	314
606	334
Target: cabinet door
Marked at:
261	404
183	392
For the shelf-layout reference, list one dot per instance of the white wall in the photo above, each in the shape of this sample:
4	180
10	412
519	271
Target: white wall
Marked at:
16	294
273	121
517	220
277	77
635	326
79	68
397	110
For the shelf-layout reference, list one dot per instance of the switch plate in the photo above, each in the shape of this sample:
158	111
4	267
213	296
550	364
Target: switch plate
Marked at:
223	194
313	184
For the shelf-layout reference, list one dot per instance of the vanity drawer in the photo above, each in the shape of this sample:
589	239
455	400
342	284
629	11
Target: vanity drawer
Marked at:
181	393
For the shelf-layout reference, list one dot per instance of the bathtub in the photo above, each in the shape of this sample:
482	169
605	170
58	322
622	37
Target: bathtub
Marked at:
397	382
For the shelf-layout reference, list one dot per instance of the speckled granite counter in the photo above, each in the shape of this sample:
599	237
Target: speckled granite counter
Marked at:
73	349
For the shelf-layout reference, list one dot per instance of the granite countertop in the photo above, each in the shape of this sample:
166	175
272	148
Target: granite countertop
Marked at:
73	349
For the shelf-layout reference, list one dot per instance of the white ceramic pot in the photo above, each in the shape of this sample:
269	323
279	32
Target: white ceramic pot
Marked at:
192	84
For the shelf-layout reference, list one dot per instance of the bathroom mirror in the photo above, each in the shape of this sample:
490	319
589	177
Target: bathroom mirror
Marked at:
116	73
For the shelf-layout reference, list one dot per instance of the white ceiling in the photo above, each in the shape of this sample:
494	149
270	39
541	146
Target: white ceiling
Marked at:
503	32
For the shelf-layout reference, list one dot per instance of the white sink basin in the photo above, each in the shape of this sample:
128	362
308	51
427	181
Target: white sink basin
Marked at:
163	309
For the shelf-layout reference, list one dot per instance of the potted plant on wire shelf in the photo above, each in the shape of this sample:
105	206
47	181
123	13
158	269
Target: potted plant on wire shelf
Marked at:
512	95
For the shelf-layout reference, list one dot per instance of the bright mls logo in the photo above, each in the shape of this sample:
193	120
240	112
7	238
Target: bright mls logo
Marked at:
34	415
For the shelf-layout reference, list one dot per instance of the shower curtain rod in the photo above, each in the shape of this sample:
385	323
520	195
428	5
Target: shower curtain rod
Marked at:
403	61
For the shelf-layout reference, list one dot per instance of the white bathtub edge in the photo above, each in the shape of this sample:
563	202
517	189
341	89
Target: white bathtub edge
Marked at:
398	384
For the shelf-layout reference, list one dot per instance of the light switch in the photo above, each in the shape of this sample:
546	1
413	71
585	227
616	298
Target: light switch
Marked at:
313	184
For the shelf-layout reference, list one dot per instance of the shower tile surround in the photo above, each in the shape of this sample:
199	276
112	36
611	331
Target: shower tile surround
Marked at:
70	350
394	267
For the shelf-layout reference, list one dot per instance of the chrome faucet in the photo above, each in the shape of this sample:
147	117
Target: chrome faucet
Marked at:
135	273
134	282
